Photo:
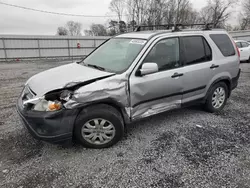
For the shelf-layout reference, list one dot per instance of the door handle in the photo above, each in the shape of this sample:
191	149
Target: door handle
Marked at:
176	75
214	66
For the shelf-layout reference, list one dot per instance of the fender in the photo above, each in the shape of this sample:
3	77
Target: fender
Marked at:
226	79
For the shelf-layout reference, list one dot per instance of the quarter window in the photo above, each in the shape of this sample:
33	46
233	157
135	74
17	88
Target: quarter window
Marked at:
224	43
165	54
196	50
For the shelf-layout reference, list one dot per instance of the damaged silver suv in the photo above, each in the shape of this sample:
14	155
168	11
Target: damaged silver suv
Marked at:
129	77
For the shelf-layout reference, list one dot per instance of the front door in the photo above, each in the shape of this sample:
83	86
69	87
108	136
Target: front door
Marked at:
161	91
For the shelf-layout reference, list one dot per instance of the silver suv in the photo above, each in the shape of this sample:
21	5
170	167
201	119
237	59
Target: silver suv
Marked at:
130	77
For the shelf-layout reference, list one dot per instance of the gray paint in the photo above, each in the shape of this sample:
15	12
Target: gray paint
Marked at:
59	77
139	96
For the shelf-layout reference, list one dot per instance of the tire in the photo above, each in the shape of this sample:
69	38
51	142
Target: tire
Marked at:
90	125
210	102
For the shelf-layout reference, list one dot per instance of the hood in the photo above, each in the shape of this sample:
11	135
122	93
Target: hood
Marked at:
63	77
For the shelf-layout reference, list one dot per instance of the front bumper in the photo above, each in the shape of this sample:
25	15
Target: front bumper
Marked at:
53	127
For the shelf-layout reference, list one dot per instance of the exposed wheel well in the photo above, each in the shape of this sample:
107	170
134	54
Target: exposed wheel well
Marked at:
122	111
226	81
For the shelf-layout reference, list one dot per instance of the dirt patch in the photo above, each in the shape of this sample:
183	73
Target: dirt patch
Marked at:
19	148
169	180
199	145
159	147
44	178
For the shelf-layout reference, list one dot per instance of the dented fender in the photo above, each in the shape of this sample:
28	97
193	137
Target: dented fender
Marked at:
112	90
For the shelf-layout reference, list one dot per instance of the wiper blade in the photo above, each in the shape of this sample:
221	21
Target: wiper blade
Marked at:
96	67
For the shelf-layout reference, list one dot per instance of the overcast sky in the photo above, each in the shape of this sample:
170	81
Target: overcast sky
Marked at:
19	21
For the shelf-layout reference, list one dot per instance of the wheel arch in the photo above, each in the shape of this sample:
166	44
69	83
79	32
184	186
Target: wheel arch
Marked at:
227	80
113	103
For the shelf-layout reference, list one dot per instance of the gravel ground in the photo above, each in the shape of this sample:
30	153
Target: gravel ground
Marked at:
181	148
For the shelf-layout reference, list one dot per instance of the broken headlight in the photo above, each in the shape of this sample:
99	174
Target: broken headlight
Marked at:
50	102
49	106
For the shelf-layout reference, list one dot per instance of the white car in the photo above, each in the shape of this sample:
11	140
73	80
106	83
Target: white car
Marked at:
244	48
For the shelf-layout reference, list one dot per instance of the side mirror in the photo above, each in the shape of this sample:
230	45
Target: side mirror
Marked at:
149	68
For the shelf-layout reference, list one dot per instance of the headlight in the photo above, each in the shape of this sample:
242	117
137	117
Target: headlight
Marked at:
50	102
44	105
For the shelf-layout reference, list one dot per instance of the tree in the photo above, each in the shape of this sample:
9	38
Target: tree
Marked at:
117	6
122	26
62	31
98	30
244	17
217	12
74	28
113	28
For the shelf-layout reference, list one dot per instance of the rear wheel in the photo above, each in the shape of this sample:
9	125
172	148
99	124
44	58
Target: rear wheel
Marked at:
99	126
217	97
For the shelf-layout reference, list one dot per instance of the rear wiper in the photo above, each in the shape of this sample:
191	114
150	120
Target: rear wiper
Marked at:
96	67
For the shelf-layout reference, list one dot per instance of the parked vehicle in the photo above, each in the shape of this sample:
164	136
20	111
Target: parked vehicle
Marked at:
130	77
244	48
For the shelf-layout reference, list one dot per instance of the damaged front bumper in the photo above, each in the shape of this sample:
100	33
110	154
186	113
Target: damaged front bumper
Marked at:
51	127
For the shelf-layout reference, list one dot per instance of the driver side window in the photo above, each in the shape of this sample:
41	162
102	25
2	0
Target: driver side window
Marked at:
165	54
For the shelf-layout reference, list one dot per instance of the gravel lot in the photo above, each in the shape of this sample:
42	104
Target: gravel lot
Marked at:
181	148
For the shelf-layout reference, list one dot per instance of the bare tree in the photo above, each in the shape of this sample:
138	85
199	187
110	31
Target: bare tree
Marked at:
244	17
74	28
117	6
62	31
217	12
96	30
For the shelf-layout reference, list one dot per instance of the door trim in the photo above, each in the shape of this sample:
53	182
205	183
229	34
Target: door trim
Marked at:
171	95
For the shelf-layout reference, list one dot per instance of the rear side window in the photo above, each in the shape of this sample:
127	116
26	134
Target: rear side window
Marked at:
224	43
196	50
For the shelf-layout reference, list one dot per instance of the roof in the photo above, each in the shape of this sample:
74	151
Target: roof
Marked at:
149	34
143	34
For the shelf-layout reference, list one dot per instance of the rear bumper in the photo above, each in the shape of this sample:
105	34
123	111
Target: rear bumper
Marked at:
235	80
53	127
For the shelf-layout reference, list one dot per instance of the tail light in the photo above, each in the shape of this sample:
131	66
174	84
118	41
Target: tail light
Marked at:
238	51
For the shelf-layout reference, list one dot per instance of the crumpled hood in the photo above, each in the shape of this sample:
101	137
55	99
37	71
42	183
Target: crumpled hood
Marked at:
60	77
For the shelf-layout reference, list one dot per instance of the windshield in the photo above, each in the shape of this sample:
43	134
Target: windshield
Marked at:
116	55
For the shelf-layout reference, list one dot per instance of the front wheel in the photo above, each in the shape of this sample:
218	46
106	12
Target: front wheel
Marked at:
99	126
217	97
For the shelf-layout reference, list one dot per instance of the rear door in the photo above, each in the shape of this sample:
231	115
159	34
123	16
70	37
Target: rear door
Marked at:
198	67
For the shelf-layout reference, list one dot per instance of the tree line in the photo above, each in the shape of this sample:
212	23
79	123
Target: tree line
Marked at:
131	13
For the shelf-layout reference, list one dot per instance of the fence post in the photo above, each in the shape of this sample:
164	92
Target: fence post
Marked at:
39	50
68	48
94	43
4	49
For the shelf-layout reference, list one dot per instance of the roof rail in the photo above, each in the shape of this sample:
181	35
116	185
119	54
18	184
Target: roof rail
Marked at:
174	27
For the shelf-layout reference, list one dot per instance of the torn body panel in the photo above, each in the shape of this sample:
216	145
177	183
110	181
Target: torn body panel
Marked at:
114	88
154	93
155	107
